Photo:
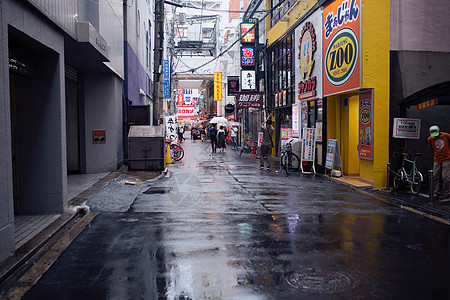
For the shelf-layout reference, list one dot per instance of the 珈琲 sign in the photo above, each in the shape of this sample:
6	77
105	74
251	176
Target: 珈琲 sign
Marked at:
251	99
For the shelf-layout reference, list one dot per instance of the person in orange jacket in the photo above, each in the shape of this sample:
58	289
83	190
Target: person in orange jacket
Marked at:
440	143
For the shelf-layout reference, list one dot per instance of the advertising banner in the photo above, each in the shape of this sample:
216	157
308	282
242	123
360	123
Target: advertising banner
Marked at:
365	149
166	89
342	46
308	58
406	128
295	120
254	100
217	86
166	69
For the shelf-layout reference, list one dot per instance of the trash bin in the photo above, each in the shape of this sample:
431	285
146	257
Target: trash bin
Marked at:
146	148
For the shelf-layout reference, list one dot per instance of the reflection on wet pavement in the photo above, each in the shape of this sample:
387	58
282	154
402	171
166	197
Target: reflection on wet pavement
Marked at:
225	230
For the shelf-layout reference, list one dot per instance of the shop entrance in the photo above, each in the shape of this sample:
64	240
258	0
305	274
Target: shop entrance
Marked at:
36	130
350	135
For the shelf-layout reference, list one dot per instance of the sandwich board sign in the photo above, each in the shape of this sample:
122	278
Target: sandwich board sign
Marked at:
308	148
333	158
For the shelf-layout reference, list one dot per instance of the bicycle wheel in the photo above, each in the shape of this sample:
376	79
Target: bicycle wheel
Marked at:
295	162
398	179
416	182
176	152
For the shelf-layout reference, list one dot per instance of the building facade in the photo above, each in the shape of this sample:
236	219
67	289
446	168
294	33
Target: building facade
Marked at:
62	102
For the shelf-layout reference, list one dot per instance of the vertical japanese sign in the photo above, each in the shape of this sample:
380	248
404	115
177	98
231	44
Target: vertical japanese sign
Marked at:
341	49
295	120
366	125
308	144
308	58
217	86
171	128
166	80
233	85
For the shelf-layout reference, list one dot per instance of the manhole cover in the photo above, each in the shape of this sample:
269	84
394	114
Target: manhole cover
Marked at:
158	190
128	220
319	281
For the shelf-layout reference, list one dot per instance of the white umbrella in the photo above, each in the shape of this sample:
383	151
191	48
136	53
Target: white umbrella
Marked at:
218	120
236	124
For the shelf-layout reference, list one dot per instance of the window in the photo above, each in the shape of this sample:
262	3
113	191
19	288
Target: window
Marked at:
138	23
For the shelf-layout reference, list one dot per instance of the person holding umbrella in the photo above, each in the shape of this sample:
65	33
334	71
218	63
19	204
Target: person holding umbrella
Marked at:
213	137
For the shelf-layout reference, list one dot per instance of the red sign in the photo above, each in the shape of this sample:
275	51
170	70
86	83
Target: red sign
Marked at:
245	100
365	125
426	104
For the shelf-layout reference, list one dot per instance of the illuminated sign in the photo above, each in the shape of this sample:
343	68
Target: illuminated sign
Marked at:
248	56
247	33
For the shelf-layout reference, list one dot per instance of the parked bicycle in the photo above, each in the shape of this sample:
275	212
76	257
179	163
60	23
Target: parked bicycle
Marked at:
289	160
414	178
248	149
176	151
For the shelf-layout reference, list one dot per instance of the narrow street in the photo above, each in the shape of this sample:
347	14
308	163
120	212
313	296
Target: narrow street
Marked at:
219	228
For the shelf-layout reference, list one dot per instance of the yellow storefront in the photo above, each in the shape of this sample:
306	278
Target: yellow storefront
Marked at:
370	39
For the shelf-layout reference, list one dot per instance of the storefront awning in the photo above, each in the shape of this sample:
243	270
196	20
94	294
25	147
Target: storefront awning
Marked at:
440	91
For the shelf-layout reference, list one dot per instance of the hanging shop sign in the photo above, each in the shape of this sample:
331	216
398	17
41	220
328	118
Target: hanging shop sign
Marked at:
405	128
246	100
342	46
248	80
308	58
232	85
247	57
247	33
365	149
217	86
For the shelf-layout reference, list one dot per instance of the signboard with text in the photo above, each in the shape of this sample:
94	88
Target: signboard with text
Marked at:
365	148
248	80
342	46
246	100
232	85
248	57
247	33
217	86
308	58
406	128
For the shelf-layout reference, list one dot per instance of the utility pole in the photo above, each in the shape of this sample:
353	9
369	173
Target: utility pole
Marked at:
158	51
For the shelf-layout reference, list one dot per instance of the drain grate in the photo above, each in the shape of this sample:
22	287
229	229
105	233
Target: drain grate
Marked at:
158	190
316	281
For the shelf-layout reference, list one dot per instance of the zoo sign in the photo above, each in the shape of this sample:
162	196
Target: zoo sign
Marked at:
342	32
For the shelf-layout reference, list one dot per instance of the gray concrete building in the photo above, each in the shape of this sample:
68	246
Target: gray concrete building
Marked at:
61	76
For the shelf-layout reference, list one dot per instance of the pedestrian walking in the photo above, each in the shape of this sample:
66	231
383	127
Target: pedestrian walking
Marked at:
267	143
213	137
181	133
221	139
440	143
233	134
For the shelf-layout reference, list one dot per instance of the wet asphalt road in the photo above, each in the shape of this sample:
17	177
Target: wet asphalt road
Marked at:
219	228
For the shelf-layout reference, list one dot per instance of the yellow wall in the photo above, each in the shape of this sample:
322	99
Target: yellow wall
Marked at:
290	18
375	59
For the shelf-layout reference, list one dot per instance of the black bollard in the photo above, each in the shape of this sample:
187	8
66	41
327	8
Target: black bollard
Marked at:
388	177
430	175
